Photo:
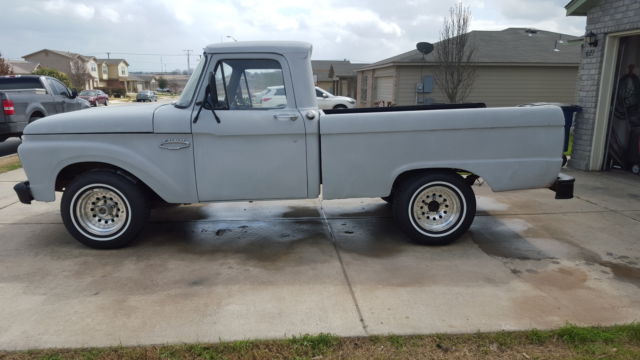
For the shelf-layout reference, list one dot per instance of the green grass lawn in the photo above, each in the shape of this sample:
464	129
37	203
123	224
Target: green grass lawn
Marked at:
9	163
568	342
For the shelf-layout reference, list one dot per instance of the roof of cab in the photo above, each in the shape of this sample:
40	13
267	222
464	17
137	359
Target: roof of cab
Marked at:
278	47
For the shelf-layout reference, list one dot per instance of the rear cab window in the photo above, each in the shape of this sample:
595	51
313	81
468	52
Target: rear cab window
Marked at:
20	83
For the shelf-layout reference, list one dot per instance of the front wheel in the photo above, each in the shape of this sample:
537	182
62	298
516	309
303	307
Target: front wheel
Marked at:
104	210
434	208
340	106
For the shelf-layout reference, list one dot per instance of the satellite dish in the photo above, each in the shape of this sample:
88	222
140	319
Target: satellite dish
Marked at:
424	47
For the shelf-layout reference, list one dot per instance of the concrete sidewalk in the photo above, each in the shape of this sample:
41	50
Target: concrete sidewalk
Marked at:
229	271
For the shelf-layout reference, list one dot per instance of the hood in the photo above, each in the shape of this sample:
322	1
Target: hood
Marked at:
133	118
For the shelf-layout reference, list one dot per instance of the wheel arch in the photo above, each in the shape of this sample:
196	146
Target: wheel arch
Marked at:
71	171
36	109
408	174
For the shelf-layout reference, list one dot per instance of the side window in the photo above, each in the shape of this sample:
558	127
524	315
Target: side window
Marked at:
249	84
58	88
318	93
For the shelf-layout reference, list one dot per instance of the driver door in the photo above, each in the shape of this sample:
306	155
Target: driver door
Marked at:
255	151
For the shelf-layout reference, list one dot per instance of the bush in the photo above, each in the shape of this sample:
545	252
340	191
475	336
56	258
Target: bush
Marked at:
54	74
118	92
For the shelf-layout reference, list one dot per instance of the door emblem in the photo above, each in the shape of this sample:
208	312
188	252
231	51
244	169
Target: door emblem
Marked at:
174	144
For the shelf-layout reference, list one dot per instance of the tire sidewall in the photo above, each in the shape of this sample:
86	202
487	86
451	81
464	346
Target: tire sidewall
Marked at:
134	198
406	193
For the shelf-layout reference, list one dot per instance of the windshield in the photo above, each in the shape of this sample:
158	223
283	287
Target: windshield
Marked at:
190	88
87	93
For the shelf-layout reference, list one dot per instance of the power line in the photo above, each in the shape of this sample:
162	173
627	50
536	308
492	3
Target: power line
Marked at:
188	62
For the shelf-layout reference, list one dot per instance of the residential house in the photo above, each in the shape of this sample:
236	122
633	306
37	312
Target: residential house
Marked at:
63	60
20	67
514	66
336	76
608	87
114	73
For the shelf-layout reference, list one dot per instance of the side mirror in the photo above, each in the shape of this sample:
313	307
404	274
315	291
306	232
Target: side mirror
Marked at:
74	93
324	95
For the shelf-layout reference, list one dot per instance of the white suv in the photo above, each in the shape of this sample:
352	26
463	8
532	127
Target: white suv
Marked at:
327	100
275	97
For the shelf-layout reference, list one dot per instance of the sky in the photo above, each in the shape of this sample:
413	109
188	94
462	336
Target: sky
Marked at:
153	34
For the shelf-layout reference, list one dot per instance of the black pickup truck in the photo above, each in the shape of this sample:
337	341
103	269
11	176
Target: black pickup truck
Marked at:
26	98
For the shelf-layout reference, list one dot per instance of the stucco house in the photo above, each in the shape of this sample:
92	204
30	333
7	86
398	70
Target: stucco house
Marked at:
607	130
114	73
514	66
62	61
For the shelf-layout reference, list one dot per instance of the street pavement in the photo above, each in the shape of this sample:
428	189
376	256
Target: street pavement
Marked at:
247	270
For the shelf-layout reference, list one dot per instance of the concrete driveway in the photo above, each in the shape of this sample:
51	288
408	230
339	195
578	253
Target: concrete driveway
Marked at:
230	271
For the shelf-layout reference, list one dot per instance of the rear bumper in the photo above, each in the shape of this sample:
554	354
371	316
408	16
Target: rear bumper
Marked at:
563	186
23	190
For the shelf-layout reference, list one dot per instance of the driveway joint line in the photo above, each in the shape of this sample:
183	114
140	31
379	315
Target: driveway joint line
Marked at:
619	212
344	271
6	206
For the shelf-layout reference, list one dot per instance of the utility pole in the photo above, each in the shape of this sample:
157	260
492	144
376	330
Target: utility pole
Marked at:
161	65
108	55
188	60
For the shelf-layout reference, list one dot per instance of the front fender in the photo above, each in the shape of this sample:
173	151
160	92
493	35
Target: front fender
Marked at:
170	173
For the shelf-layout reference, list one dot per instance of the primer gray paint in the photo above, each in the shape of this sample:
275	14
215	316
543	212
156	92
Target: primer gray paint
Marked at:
252	155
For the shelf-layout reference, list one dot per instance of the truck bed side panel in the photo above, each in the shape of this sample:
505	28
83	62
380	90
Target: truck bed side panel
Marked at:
511	148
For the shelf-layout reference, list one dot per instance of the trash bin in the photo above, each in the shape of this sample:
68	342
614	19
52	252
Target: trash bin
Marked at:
569	112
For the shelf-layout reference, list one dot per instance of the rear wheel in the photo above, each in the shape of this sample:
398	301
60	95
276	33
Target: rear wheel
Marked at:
434	208
340	106
103	209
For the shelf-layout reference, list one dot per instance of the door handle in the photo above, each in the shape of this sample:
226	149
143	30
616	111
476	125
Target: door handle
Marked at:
285	117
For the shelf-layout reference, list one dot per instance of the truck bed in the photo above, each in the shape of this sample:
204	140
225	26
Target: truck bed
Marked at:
511	148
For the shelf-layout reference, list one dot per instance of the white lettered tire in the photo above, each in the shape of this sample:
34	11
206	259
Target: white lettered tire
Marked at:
103	209
434	208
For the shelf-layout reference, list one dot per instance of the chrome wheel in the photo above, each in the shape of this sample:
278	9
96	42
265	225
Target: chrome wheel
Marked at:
436	208
100	210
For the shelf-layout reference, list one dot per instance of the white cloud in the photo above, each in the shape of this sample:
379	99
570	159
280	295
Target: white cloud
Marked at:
359	30
110	14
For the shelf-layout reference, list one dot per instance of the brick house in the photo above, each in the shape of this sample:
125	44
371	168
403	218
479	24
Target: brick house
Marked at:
608	88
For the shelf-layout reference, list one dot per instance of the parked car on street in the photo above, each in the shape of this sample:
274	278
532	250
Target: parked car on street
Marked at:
326	100
146	95
26	98
272	97
216	144
94	97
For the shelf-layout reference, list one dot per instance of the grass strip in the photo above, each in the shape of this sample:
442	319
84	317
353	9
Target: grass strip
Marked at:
8	163
569	342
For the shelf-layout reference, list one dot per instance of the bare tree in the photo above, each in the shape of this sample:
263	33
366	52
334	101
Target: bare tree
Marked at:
454	56
79	74
5	68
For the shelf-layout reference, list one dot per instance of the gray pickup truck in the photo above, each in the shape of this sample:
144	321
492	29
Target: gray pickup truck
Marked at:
216	144
26	98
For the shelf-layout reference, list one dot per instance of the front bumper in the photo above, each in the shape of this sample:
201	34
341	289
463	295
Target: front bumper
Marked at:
563	186
24	192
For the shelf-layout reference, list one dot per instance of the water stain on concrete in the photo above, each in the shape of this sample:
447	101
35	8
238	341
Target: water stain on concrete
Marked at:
301	212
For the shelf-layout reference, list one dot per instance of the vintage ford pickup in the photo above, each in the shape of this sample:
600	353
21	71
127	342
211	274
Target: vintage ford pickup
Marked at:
216	144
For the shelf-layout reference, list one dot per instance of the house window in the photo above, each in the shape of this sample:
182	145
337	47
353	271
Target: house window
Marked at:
104	69
363	88
93	67
123	71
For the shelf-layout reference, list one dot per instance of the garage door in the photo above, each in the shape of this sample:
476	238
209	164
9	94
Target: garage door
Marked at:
384	88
